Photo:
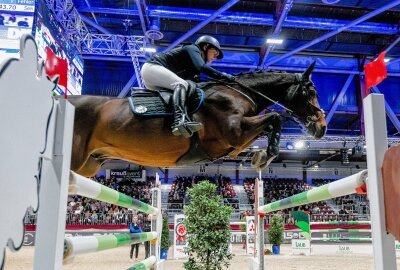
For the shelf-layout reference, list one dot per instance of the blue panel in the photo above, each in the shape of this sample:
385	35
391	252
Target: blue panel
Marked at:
355	48
239	58
370	4
390	88
106	77
349	102
328	86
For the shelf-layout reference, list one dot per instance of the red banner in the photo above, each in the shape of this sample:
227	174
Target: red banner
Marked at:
56	66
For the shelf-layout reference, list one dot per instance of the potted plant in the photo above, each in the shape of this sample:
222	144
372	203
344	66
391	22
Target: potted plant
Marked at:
208	229
165	241
275	233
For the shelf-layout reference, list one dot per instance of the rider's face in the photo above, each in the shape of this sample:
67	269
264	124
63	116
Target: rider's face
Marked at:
212	54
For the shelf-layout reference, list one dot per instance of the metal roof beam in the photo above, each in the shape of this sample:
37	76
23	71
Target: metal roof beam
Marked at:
202	24
393	61
142	15
95	25
394	43
339	98
69	18
185	14
335	32
287	6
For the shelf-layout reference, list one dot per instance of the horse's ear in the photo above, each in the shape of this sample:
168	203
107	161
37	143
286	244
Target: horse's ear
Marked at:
307	73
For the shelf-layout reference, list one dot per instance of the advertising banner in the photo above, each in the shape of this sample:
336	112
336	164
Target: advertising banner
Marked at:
250	231
180	234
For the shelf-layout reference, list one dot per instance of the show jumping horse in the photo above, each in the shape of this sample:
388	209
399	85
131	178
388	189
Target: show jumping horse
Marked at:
105	127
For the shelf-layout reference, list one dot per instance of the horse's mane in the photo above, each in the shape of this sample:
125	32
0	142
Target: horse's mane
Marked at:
262	77
255	79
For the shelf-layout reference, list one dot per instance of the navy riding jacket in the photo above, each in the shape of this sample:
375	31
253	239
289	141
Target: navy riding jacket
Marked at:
186	62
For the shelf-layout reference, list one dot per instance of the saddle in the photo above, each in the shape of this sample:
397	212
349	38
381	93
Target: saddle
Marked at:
148	103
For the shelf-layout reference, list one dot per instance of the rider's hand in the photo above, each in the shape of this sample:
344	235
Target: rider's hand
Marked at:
228	77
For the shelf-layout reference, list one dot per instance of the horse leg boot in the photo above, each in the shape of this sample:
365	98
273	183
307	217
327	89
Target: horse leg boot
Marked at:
263	158
181	125
274	137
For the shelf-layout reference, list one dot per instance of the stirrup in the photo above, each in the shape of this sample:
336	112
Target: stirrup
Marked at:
182	130
194	126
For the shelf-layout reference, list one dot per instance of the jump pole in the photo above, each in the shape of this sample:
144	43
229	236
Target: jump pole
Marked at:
145	264
80	185
377	143
342	187
89	244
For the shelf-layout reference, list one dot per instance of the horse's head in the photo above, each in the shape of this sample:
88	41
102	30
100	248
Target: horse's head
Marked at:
302	99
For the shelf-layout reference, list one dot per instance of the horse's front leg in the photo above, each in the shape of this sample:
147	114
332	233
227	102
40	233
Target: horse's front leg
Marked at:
263	158
249	128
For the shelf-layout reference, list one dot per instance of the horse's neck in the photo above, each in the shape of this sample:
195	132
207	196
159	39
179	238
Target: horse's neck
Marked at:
273	85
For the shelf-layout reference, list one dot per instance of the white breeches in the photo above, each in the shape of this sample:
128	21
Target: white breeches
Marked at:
157	77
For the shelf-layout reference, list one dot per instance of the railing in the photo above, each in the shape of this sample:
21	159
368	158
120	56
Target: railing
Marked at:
83	219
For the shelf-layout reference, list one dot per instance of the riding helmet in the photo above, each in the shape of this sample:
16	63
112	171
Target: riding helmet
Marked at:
212	42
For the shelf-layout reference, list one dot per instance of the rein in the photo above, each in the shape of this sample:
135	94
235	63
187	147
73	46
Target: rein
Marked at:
308	121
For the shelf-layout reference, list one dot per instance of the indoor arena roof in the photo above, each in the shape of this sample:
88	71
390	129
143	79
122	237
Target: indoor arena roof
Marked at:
340	35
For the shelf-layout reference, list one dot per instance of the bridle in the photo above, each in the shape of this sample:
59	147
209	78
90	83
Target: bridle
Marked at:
303	85
300	84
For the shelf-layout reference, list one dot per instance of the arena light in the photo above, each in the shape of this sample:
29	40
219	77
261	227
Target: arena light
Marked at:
386	60
150	50
299	145
289	146
274	41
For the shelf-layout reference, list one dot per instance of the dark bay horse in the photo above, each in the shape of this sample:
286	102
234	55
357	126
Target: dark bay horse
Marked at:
105	127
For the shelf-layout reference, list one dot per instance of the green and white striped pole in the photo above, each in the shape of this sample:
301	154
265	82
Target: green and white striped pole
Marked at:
88	244
335	189
341	222
354	239
144	265
342	230
79	185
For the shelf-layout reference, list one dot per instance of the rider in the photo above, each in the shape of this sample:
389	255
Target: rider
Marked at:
170	70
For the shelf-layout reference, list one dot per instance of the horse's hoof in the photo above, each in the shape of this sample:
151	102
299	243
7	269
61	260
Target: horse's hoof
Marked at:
257	157
268	161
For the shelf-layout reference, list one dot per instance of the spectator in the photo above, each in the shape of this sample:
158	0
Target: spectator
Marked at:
147	228
135	228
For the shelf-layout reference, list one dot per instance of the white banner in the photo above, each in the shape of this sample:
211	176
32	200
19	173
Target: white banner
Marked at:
301	247
180	234
250	231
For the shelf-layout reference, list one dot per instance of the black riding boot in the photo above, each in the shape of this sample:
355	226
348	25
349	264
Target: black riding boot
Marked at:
182	126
